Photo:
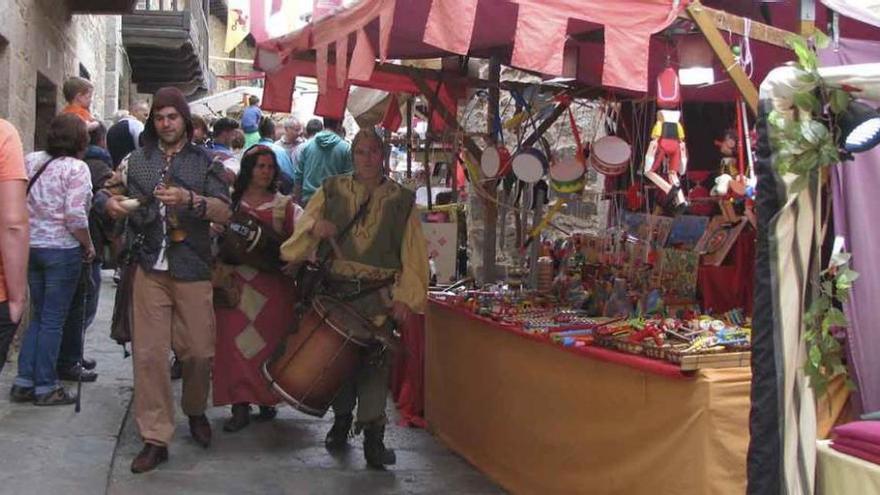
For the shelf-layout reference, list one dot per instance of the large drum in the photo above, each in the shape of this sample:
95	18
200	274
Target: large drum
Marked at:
320	357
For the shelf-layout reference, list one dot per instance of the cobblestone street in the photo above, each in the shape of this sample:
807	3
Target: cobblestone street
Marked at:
54	450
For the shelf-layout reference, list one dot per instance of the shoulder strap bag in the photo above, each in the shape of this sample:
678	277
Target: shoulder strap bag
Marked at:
38	174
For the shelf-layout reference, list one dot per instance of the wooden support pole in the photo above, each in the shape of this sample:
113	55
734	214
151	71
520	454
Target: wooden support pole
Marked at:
490	232
409	136
704	21
386	137
426	165
539	195
456	149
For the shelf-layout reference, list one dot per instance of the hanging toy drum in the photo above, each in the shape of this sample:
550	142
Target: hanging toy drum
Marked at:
529	165
495	162
567	175
610	155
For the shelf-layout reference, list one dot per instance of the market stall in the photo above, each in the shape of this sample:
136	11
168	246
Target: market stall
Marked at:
542	418
612	358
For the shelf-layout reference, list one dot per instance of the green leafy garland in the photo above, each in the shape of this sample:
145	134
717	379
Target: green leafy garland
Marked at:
824	352
805	141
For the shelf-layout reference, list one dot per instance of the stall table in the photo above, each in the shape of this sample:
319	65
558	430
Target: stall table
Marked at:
541	418
839	473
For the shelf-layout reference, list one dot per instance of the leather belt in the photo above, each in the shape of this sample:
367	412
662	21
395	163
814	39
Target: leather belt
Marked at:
349	289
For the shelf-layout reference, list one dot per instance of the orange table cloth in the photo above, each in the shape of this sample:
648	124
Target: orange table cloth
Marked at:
539	419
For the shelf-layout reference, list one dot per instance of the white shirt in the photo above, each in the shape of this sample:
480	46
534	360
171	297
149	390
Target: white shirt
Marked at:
135	128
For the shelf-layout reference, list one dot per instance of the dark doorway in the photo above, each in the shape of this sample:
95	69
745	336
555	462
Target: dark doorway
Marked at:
4	78
47	99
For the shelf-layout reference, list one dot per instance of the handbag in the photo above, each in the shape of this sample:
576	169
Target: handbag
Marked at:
122	321
247	242
227	292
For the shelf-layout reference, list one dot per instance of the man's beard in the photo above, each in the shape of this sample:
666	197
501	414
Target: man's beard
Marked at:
171	142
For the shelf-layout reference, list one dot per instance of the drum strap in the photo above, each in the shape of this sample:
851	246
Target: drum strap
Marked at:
311	275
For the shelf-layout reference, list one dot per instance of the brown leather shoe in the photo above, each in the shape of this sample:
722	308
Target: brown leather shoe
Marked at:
200	429
149	457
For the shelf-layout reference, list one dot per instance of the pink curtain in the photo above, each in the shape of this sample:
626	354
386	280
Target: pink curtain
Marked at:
450	25
542	27
855	203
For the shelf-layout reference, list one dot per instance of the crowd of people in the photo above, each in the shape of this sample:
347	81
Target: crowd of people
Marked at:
153	195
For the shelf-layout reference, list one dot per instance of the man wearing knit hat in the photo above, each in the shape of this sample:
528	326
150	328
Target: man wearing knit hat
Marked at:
180	191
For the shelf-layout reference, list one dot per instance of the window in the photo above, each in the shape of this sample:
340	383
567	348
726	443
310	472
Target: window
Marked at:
47	98
4	78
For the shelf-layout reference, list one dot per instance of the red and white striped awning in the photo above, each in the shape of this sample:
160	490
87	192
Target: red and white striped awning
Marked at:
537	31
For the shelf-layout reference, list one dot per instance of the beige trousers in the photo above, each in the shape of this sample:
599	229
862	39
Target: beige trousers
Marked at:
170	314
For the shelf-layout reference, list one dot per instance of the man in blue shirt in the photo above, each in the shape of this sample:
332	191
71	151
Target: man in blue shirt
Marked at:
250	122
285	163
221	144
326	155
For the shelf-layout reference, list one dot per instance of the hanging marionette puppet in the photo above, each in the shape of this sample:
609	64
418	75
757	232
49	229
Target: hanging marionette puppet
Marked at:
727	184
736	180
667	150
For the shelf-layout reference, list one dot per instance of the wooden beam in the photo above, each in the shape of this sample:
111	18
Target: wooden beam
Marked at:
726	21
546	124
471	82
807	17
704	21
445	114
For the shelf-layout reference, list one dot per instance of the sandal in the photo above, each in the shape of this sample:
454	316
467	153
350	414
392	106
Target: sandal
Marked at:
58	397
21	394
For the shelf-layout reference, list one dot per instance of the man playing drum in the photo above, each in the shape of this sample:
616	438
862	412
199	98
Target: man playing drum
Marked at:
379	267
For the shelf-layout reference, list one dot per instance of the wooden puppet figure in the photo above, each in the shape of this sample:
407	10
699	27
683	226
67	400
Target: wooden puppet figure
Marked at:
726	187
668	148
667	141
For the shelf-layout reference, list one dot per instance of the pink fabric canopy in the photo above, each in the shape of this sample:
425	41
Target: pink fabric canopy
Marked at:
614	44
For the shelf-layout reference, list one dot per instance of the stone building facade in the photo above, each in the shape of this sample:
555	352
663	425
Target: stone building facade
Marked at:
41	44
245	51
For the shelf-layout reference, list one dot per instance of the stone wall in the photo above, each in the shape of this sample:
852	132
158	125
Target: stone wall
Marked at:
117	80
41	36
245	51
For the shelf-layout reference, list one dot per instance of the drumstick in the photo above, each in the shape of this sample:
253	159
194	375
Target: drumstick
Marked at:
336	250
